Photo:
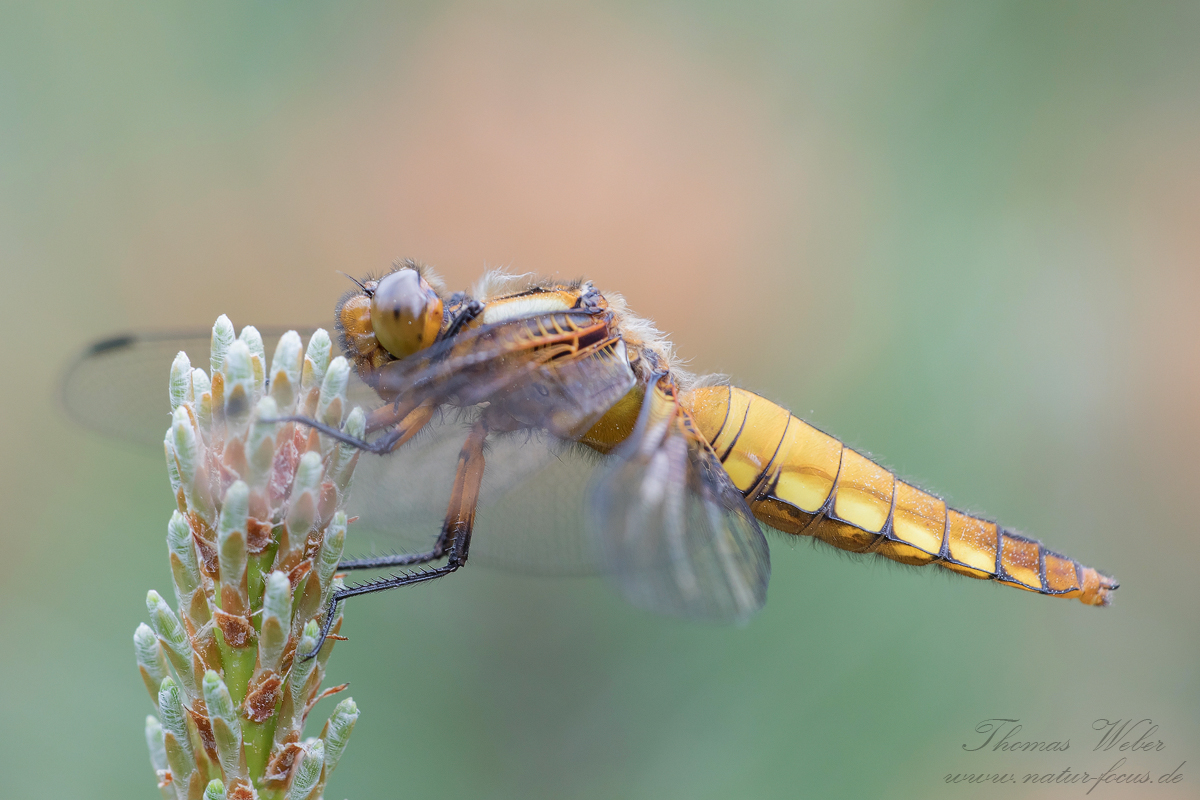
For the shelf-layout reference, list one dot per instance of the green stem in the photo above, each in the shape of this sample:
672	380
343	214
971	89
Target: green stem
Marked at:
257	738
239	666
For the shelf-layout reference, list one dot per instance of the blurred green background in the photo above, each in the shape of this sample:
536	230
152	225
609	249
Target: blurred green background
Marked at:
965	237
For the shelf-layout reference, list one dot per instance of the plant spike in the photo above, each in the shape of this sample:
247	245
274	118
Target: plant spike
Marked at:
259	505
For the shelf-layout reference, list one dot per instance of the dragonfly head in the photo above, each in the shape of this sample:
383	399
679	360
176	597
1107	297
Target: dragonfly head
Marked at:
406	312
389	318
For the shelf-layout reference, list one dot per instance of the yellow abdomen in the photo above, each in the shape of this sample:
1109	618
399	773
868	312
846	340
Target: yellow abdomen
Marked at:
804	482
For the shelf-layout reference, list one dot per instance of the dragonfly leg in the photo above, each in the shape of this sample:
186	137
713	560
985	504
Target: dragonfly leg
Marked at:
405	428
440	548
402	560
454	541
334	433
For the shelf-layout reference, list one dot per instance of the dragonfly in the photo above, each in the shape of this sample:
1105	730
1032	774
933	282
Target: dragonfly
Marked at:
556	401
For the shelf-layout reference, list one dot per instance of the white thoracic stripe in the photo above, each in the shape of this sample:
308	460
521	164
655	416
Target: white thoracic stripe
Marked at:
523	307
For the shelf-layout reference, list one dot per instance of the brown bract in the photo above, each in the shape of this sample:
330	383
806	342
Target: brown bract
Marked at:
258	535
262	696
330	692
199	715
205	539
238	631
239	790
283	759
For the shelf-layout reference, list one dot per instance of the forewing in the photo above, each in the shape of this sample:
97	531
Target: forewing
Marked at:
118	386
566	396
674	532
483	363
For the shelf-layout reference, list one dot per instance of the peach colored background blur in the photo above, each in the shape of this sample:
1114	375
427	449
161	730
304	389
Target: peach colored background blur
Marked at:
962	237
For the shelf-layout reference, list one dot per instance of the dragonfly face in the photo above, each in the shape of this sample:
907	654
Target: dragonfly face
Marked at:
389	319
519	380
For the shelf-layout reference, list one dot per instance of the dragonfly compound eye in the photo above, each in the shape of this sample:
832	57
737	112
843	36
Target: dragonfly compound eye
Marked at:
406	313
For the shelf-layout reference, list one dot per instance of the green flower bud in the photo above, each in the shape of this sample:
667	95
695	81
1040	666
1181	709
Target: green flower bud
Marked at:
331	553
176	740
180	387
186	447
308	770
337	732
285	371
333	388
222	338
316	359
276	621
172	467
174	639
227	728
302	668
185	568
215	790
302	508
258	355
204	414
154	742
239	385
189	455
201	385
237	364
231	536
340	468
152	664
308	473
322	658
260	444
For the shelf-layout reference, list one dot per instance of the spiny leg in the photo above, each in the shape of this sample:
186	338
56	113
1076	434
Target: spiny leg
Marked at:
454	541
440	548
405	425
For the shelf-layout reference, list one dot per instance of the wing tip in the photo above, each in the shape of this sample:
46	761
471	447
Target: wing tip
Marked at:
106	345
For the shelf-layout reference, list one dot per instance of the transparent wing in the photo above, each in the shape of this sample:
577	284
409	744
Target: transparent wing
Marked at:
671	528
540	526
118	385
532	504
531	507
539	407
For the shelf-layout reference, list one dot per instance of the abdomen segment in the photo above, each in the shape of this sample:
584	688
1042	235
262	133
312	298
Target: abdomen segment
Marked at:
804	482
